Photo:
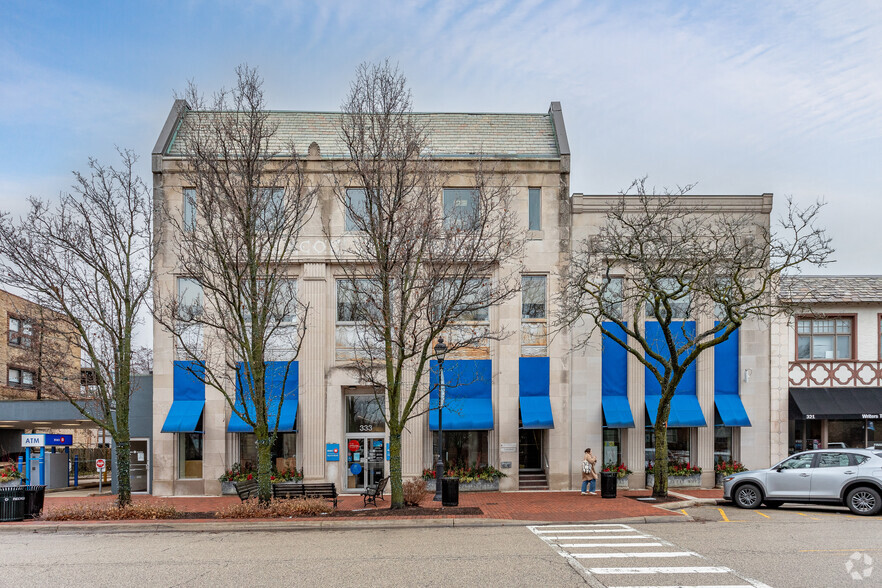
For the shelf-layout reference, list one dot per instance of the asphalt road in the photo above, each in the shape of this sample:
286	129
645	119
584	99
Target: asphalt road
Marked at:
791	546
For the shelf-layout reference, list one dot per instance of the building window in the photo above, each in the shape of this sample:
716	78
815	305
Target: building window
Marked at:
534	321
189	215
356	304
364	413
189	309
356	209
612	447
20	378
678	444
460	208
534	210
612	297
472	307
723	443
190	455
283	451
826	338
463	448
680	299
270	209
21	332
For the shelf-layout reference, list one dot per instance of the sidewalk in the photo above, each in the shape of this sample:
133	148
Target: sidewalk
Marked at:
497	508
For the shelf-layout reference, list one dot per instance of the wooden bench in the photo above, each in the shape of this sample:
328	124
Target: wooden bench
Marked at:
371	492
301	490
246	490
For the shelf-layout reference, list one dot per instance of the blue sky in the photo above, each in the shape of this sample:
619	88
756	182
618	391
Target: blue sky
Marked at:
744	97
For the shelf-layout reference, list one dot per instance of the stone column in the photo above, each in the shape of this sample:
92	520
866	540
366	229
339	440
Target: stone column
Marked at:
635	445
703	450
313	360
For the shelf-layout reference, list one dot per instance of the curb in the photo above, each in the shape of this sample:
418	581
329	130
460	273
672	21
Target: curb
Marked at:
291	526
689	501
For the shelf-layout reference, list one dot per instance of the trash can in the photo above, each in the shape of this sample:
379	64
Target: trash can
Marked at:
12	503
34	496
608	483
449	491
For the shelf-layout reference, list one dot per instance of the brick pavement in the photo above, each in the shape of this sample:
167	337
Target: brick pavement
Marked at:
526	506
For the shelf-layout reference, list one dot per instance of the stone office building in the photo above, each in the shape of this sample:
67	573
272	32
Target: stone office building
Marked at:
537	403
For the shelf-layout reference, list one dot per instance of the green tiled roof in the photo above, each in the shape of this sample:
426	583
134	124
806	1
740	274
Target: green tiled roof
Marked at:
450	134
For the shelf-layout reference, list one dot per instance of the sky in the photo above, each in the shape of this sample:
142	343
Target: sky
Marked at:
741	97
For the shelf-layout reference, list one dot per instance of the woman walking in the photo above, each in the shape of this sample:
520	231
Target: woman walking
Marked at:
589	475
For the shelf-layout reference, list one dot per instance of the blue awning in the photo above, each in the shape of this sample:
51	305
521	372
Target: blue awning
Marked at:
276	383
726	397
614	380
468	404
188	400
533	387
685	408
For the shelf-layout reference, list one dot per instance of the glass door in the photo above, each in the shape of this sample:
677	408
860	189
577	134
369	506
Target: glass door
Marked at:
365	444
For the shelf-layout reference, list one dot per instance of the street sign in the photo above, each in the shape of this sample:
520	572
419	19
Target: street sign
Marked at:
100	465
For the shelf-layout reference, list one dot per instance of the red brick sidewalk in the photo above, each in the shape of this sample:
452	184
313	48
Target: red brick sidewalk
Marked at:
522	506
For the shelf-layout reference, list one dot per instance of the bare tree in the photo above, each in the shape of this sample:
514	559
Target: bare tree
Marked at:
664	258
412	267
89	259
235	241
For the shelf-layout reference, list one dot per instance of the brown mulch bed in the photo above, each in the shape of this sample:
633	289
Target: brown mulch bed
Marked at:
658	500
409	511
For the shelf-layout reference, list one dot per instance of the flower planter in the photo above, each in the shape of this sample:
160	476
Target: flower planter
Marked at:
622	482
718	480
228	488
10	483
693	481
479	486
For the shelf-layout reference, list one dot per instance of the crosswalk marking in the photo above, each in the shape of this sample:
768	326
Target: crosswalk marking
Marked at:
582	544
635	554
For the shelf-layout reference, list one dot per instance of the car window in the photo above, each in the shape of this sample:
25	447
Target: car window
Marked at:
797	462
859	459
833	460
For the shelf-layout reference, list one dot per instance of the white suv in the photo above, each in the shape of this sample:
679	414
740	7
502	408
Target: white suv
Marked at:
850	477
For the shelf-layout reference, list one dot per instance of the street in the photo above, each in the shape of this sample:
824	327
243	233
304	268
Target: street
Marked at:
725	546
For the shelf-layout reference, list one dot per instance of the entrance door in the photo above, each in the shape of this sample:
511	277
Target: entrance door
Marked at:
530	449
140	465
365	458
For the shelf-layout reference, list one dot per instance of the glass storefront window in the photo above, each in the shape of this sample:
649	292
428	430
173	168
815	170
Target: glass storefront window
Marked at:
806	435
723	443
190	455
285	447
678	444
874	439
463	448
364	414
612	447
842	434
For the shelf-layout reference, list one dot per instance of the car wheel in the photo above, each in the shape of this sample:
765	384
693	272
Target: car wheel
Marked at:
747	496
772	504
864	501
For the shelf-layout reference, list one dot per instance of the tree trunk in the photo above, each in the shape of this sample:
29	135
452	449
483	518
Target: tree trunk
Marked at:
123	468
395	469
264	470
660	488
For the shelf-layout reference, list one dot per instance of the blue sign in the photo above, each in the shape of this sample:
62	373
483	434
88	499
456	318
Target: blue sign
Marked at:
332	452
378	443
59	440
355	469
388	455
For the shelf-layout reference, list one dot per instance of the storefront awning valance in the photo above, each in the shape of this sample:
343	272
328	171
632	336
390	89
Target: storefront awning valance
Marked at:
836	403
468	403
188	400
685	409
614	380
533	389
281	378
726	396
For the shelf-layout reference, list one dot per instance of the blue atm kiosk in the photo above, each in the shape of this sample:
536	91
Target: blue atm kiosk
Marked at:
47	468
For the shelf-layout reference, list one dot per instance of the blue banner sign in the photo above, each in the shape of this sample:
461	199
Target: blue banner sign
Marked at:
332	452
388	456
59	439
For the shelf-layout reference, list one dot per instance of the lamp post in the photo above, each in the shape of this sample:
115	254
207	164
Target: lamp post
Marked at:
440	350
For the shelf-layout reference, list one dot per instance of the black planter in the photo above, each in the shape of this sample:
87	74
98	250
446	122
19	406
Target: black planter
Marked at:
608	483
449	491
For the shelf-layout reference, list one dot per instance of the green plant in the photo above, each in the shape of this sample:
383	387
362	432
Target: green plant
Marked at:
467	473
10	474
677	469
240	473
725	468
620	469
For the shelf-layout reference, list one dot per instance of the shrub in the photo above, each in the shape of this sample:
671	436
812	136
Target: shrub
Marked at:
10	473
467	473
726	468
110	512
677	469
621	470
414	491
277	507
241	473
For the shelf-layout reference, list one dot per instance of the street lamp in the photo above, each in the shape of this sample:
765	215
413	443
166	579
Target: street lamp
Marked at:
440	350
